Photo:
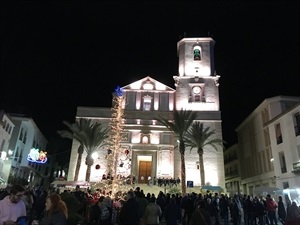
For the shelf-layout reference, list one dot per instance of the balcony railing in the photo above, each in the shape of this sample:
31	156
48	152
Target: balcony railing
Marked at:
296	167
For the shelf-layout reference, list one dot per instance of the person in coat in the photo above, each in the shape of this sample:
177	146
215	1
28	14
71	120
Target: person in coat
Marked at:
152	212
130	211
172	212
56	211
201	215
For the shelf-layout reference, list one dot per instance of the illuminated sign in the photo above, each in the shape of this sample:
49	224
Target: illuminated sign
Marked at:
37	156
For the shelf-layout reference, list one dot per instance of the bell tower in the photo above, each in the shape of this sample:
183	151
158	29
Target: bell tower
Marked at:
196	57
197	89
197	82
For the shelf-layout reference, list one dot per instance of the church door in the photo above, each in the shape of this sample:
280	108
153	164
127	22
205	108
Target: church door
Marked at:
144	171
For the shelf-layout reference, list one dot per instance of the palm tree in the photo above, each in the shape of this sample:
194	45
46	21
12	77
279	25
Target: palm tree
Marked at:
90	136
181	122
199	137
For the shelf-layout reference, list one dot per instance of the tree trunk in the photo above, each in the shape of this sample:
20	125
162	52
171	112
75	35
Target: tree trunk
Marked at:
77	169
88	173
89	161
183	185
79	158
202	174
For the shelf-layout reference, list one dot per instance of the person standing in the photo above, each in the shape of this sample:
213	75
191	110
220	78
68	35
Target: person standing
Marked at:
11	207
152	212
201	215
271	207
149	180
281	210
142	179
81	198
130	211
172	212
56	211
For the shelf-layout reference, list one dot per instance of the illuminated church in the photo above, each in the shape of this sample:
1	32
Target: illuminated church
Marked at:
151	149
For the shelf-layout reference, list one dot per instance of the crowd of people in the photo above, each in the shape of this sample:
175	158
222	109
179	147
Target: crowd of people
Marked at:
135	207
21	206
199	209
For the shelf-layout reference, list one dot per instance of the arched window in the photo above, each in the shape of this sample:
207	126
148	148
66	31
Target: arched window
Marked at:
145	140
197	52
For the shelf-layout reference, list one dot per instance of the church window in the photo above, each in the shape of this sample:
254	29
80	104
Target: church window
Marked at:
145	140
197	53
147	103
148	86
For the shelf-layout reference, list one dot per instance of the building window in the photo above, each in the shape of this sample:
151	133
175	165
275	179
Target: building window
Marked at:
197	53
298	150
4	124
285	185
16	154
278	133
282	162
25	137
297	123
145	140
147	103
21	156
21	135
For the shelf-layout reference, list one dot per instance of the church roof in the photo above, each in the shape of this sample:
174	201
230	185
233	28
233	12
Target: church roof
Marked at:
148	84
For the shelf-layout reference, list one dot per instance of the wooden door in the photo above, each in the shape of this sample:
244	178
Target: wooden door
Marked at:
145	171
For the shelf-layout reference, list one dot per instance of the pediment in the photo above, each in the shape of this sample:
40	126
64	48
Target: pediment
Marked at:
147	84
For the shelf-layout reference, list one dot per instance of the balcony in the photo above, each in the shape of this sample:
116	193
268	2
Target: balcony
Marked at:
296	168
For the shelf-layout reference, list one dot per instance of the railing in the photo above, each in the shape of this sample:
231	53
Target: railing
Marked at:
296	167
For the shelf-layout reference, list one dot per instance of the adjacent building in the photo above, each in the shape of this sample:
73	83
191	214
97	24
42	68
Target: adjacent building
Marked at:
269	146
23	150
6	129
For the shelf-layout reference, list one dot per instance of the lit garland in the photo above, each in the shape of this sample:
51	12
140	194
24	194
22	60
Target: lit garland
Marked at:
118	156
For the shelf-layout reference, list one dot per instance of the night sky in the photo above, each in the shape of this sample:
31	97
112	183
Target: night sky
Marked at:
58	55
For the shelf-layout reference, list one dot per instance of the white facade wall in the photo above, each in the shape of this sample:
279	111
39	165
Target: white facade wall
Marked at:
255	143
290	147
19	164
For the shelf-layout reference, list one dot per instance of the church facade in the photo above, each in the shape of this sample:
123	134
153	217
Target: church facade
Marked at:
149	148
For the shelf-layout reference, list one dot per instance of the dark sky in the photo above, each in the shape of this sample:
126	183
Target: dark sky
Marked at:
57	55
